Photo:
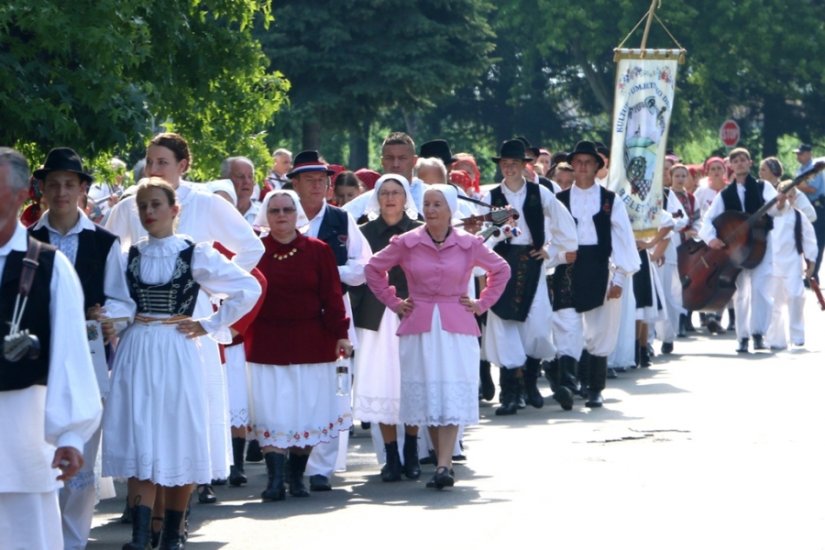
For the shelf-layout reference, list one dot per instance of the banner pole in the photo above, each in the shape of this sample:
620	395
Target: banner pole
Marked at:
649	22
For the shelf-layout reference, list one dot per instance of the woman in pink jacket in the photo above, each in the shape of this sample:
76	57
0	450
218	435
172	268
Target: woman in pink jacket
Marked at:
438	333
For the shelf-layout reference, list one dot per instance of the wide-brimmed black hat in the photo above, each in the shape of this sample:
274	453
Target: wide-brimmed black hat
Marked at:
511	149
438	148
63	159
586	148
529	147
308	161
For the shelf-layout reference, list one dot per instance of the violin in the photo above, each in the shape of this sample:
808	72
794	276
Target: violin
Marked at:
708	275
497	216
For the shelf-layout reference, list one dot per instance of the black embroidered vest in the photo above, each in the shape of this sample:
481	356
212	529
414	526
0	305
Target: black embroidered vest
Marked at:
90	264
532	210
36	318
177	296
754	199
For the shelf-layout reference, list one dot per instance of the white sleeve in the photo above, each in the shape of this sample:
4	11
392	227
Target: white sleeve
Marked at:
708	232
809	246
358	254
803	204
563	236
123	221
229	228
73	407
624	257
223	279
118	301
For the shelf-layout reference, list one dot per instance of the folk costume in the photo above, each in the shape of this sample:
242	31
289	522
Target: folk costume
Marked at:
793	240
606	255
204	217
516	334
439	337
377	390
752	300
49	402
157	423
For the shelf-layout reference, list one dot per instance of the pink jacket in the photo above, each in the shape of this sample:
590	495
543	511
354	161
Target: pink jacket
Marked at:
437	277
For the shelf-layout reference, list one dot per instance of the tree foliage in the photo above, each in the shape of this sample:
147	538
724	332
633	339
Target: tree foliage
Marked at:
103	75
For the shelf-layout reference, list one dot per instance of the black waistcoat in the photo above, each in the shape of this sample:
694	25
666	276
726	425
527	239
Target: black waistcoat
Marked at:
532	210
36	318
93	248
754	199
177	296
334	231
583	284
367	310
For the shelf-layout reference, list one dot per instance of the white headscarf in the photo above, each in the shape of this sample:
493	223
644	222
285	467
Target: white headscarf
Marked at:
450	194
373	209
261	220
226	186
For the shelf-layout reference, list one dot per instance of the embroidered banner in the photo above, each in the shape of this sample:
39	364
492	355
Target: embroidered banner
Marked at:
641	116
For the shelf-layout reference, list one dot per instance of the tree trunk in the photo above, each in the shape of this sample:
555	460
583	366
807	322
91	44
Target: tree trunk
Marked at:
359	146
772	117
311	129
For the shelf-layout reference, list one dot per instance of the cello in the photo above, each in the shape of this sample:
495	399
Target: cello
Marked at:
709	276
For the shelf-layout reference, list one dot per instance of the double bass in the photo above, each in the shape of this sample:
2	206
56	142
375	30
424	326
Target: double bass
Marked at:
709	276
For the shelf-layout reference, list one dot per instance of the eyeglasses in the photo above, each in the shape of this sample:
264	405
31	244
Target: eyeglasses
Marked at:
287	210
388	194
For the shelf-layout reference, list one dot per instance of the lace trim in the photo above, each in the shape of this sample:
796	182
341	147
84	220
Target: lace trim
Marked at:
439	403
307	437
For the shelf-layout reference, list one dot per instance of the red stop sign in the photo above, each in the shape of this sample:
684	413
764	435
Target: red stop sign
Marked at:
729	133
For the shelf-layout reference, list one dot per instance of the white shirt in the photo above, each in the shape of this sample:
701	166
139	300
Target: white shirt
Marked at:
203	217
66	412
584	204
708	232
786	260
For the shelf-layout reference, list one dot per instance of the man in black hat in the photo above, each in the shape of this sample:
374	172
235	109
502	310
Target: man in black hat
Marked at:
310	179
95	255
531	154
585	293
516	337
814	189
49	400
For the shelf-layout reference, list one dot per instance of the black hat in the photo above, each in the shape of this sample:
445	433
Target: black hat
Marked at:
438	148
511	149
602	149
560	156
528	147
308	161
803	148
65	160
586	148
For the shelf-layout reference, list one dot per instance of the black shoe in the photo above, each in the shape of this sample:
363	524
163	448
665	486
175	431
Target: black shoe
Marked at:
172	537
391	471
365	425
487	388
743	346
295	467
253	451
276	470
714	327
237	476
509	394
206	495
412	468
594	400
564	397
319	483
221	481
667	348
758	342
506	409
682	332
141	529
443	477
611	373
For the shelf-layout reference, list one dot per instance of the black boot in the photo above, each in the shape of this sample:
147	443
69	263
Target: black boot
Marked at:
509	393
565	381
637	355
237	476
584	373
275	467
172	538
644	356
141	529
532	368
295	467
731	319
253	451
682	332
412	468
487	388
598	381
392	469
550	372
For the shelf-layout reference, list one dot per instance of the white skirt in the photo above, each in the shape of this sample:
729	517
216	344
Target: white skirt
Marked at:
377	389
156	420
439	377
296	405
236	385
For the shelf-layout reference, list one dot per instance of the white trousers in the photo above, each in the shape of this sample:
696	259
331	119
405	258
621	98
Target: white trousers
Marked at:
78	498
788	312
30	521
601	327
752	301
672	290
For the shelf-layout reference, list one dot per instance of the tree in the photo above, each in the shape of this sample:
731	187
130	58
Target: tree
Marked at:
348	60
103	75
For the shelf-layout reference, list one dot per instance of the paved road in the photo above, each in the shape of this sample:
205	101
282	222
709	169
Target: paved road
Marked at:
709	449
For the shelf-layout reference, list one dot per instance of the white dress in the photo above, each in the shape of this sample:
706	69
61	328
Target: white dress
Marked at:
377	390
156	425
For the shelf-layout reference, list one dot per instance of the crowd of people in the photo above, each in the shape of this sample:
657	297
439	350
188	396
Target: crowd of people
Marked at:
235	315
